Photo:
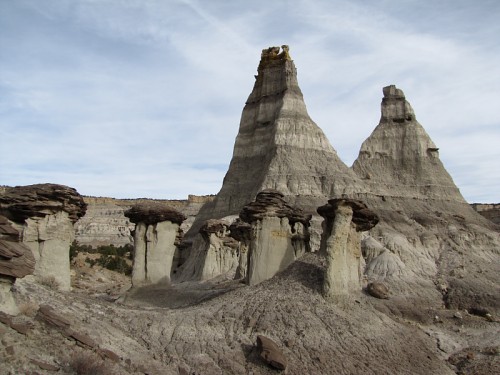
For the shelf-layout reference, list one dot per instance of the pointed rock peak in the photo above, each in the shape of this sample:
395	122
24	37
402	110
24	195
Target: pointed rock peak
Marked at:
400	159
276	74
279	146
395	108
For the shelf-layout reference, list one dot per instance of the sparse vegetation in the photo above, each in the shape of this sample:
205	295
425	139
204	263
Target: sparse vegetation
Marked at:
49	281
88	364
111	257
28	309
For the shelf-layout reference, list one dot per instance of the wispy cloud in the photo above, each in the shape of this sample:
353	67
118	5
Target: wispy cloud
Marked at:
137	98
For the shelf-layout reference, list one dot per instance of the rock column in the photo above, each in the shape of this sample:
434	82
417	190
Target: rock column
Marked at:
45	215
157	227
341	244
279	235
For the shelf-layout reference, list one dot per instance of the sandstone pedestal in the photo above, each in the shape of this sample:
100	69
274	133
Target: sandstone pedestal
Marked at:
156	231
45	215
341	244
279	235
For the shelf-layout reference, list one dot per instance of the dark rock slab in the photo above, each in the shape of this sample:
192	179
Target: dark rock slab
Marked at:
270	202
22	202
271	353
154	212
364	218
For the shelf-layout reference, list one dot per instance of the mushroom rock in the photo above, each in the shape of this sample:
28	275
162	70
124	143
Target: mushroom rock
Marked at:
155	235
278	146
279	235
214	253
341	244
16	261
45	214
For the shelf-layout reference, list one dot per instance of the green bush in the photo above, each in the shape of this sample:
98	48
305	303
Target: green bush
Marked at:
115	263
111	257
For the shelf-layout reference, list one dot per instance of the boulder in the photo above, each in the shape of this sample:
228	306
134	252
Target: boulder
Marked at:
378	290
271	353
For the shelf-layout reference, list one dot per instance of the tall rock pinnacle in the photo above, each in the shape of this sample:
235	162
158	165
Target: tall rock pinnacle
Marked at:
278	146
399	159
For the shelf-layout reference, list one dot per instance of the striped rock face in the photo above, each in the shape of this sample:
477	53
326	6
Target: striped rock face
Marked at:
279	147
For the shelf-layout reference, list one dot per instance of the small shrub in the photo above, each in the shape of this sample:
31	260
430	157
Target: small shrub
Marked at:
28	309
88	364
49	281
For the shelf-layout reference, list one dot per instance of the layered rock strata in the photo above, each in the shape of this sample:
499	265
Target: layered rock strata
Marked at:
156	231
104	223
16	261
400	159
428	235
45	214
489	211
341	244
279	235
278	146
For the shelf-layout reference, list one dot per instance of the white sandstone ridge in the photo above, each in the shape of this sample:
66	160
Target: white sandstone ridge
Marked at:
279	147
399	159
104	223
155	237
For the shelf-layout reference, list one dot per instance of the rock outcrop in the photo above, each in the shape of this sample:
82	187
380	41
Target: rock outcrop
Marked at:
399	158
428	235
214	253
16	261
156	231
279	235
279	147
489	211
45	214
341	244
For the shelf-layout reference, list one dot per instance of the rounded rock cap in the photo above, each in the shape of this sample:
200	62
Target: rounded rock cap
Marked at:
362	216
153	212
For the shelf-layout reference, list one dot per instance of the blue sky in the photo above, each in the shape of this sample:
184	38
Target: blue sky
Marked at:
137	98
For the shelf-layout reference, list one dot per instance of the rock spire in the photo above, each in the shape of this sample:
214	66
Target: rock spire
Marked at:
399	159
278	146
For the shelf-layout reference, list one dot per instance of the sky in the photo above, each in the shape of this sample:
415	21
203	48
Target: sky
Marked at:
138	98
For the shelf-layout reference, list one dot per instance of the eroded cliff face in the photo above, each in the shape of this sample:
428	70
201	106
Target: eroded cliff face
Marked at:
430	244
104	222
